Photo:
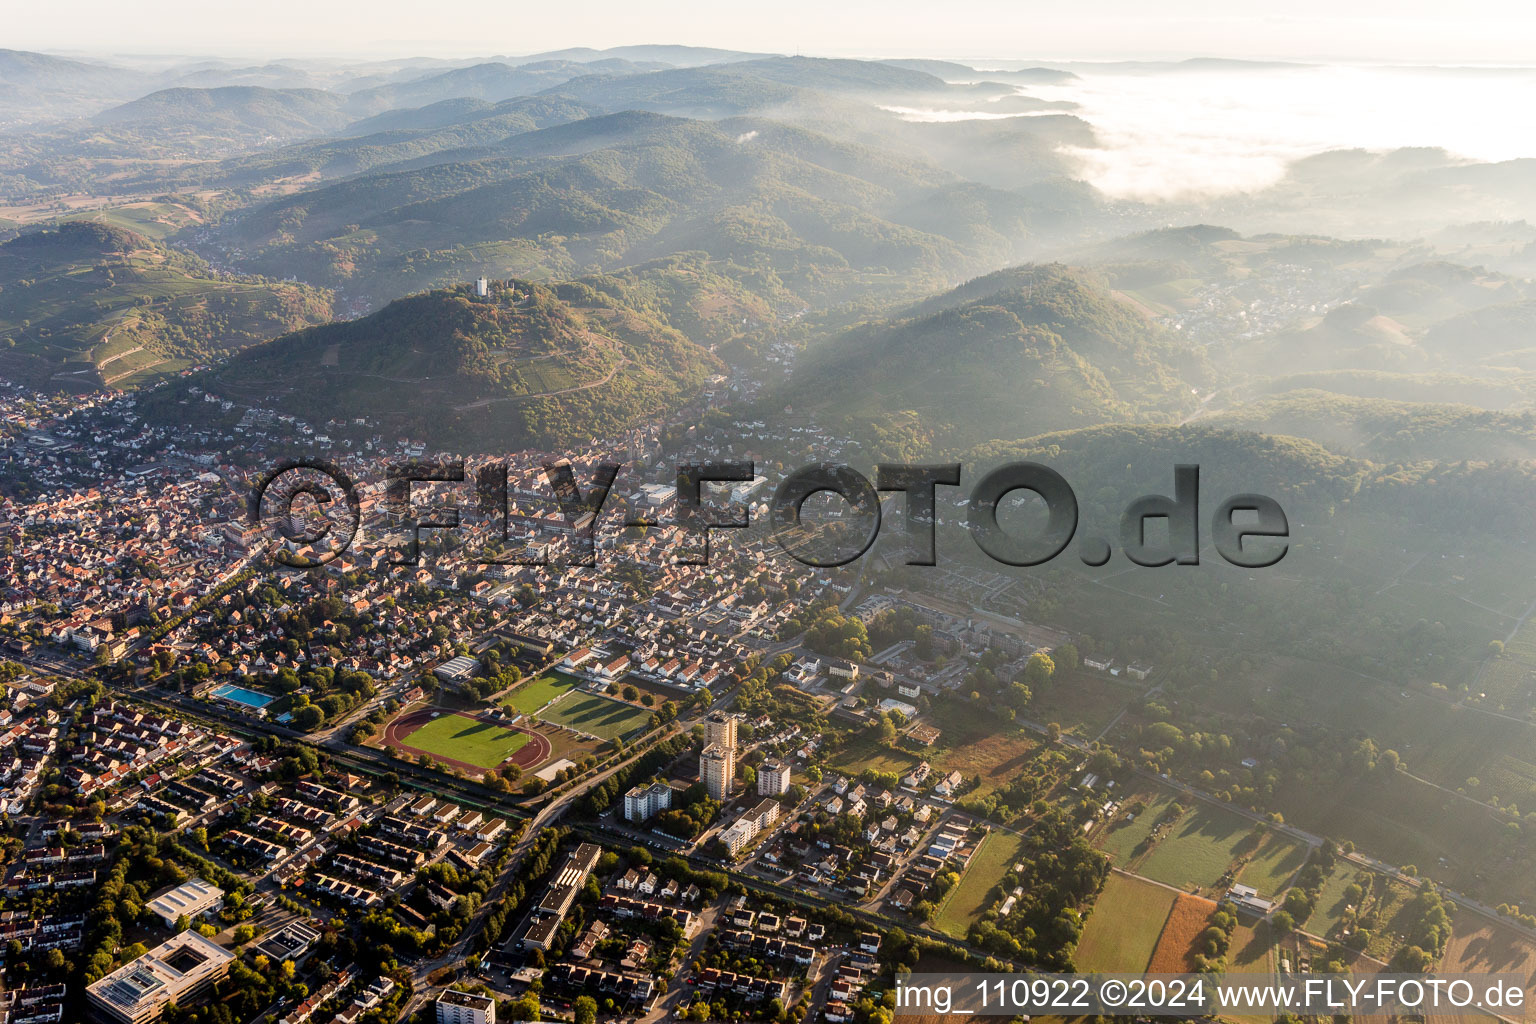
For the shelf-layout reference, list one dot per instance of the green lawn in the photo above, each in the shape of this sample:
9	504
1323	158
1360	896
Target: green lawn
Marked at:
534	694
998	853
1253	950
1330	900
464	739
1120	840
1277	860
1123	929
599	716
1199	848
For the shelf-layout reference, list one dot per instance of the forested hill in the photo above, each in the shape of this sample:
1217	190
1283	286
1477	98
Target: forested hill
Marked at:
214	121
1108	466
829	218
1008	355
1390	431
529	365
89	303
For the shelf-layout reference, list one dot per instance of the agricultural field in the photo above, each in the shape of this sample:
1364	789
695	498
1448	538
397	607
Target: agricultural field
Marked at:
965	904
113	304
1277	859
1165	297
1451	745
596	715
157	220
1127	920
533	695
1435	736
1405	821
1479	945
1175	952
1199	848
1121	838
1507	678
1252	949
1252	952
464	739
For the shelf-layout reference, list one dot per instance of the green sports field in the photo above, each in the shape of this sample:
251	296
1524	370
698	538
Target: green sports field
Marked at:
599	716
464	739
533	695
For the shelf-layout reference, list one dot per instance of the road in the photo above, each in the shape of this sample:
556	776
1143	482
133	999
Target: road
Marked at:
821	982
556	810
679	990
921	846
549	815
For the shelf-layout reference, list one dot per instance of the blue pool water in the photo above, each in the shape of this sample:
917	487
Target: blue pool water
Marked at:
240	695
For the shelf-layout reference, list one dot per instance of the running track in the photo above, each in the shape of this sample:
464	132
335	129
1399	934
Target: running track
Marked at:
533	753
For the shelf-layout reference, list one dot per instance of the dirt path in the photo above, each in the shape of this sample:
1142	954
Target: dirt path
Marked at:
482	403
130	373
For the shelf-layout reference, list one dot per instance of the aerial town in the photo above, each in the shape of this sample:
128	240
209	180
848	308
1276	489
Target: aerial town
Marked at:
448	790
497	528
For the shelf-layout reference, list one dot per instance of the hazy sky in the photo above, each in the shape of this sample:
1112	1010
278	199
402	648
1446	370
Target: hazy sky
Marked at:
1436	31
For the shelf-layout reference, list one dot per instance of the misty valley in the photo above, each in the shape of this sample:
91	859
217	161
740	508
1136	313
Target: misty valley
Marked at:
678	543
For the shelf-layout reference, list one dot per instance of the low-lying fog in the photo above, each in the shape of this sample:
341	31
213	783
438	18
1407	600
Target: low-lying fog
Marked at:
1179	132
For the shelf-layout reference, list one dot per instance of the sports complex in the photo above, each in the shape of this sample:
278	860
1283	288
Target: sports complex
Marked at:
474	742
546	712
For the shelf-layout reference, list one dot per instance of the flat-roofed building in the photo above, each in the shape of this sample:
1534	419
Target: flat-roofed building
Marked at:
179	969
717	770
290	943
764	814
738	835
192	899
540	933
562	891
644	802
772	778
720	727
456	670
455	1007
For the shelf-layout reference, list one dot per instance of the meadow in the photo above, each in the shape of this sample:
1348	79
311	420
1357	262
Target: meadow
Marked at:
1272	866
1329	909
1122	837
1199	848
965	904
1123	929
864	752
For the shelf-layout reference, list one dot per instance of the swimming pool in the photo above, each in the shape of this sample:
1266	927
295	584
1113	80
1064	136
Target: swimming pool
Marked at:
240	695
